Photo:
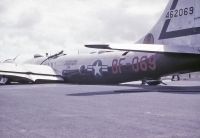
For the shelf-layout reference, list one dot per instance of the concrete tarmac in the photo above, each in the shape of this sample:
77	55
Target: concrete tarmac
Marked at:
92	111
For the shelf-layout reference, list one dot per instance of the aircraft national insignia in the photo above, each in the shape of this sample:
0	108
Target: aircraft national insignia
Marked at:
97	68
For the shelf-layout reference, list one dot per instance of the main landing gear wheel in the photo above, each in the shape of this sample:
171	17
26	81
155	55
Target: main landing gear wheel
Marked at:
152	82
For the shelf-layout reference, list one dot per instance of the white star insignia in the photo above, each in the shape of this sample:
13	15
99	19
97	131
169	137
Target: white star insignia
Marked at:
97	69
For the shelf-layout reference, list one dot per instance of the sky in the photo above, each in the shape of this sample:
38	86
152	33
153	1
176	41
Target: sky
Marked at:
28	27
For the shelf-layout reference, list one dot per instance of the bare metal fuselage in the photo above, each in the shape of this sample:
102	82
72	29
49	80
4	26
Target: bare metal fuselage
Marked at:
118	67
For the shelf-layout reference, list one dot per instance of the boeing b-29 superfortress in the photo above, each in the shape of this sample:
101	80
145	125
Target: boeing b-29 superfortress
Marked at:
172	46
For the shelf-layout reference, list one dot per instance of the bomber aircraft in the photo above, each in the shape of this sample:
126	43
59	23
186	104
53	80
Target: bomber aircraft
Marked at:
171	47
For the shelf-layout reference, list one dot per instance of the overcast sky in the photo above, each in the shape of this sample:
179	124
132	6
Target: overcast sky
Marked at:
39	26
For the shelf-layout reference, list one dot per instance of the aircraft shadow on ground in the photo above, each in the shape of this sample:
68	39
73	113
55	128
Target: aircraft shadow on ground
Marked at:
144	89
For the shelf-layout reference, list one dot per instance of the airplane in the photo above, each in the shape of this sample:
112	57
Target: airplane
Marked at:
171	47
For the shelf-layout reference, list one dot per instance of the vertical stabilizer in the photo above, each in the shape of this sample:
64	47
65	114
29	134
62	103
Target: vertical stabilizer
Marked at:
178	25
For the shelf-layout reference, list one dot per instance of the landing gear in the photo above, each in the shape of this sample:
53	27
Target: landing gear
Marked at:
152	82
175	78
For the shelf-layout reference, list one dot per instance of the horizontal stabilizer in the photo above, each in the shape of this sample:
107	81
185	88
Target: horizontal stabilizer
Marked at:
27	72
150	48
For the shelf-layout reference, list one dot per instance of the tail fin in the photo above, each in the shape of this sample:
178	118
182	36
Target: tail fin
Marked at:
178	25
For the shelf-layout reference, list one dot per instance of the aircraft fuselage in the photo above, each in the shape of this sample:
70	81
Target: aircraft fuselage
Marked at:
119	67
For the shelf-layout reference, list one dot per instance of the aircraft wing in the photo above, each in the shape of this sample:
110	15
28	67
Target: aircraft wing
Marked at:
149	48
28	72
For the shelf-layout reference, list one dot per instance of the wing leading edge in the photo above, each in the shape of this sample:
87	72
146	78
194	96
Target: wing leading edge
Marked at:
149	48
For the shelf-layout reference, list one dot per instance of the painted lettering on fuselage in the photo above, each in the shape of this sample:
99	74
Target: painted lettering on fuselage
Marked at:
138	64
70	63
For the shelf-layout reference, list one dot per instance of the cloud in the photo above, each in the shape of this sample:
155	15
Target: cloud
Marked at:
37	26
